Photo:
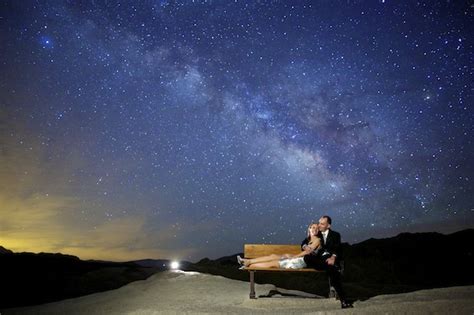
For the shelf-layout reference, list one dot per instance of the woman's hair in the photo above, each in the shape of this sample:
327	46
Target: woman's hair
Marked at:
308	234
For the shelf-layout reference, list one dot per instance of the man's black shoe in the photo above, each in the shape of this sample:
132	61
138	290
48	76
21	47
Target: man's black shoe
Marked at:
345	304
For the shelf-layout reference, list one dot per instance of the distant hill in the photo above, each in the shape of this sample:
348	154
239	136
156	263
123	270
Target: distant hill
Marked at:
30	278
419	259
3	250
404	263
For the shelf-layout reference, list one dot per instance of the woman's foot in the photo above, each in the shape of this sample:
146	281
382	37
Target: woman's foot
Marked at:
242	261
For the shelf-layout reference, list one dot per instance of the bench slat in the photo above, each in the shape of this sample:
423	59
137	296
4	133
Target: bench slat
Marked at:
259	250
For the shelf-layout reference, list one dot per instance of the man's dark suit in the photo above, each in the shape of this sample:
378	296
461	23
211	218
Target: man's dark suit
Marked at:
332	244
318	262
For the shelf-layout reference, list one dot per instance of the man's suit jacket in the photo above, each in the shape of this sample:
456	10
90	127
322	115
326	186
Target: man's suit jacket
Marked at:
332	244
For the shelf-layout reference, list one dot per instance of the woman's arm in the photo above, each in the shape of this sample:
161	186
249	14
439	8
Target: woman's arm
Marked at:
312	246
303	253
308	249
304	244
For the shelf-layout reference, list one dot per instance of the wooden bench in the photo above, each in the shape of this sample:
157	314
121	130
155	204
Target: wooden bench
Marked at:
259	250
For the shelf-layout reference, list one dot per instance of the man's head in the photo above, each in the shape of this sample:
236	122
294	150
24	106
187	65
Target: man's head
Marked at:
324	223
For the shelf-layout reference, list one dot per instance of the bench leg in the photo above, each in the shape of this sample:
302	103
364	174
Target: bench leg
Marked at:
252	285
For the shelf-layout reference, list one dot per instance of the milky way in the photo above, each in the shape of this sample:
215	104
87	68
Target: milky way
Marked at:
186	129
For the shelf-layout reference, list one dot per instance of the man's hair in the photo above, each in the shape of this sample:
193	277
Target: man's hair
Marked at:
327	218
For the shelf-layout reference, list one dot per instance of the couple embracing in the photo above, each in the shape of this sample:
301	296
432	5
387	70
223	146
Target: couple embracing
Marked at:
321	250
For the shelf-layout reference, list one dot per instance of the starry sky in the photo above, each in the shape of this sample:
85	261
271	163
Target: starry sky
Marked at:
185	129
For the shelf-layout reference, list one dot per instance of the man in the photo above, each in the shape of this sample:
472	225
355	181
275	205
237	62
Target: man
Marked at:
328	257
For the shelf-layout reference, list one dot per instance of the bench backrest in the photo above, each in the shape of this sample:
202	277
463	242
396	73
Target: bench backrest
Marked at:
259	250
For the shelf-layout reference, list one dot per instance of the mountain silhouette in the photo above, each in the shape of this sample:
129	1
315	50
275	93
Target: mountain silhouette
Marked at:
30	278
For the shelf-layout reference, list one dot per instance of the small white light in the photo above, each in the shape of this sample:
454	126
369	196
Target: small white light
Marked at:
174	265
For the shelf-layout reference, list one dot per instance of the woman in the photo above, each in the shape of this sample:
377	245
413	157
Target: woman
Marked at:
310	245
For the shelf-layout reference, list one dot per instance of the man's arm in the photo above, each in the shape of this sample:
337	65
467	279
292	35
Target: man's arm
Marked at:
336	246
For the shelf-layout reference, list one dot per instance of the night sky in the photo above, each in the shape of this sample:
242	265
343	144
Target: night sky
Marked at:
162	129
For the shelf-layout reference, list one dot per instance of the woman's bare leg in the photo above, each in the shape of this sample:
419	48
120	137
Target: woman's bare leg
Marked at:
267	264
261	259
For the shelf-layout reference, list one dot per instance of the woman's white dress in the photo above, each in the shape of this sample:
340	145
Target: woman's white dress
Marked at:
292	263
